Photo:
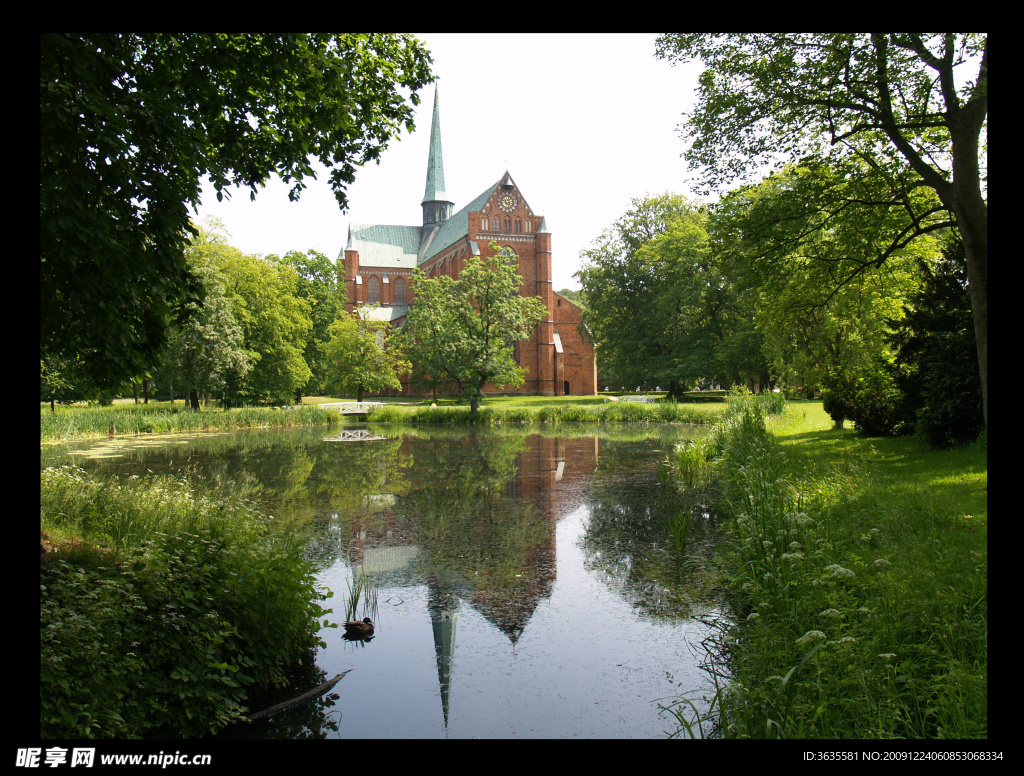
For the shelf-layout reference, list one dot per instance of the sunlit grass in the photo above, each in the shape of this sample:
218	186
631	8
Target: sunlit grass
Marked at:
860	586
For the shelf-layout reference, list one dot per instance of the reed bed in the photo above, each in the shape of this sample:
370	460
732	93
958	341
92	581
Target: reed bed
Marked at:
859	580
612	412
72	423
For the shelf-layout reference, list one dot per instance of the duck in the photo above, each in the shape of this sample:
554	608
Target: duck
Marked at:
359	630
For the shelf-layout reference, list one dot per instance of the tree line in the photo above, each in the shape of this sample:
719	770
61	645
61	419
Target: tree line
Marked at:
852	255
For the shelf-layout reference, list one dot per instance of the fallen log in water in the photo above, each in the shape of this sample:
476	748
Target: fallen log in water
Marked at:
306	696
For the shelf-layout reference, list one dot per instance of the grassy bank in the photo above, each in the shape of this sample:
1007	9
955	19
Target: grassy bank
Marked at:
859	576
70	423
504	410
162	607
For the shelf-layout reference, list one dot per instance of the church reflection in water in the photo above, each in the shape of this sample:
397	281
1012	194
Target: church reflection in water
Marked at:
473	520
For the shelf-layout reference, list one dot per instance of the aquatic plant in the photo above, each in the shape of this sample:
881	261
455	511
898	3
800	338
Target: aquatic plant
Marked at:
361	588
69	423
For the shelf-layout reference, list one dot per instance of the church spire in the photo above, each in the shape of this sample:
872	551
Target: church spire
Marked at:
436	205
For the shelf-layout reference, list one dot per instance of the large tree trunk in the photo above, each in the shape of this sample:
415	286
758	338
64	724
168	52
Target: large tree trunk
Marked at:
977	278
193	400
965	200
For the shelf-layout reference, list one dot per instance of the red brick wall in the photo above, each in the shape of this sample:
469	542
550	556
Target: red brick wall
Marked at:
577	365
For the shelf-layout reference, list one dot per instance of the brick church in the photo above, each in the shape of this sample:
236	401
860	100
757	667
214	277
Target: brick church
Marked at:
379	260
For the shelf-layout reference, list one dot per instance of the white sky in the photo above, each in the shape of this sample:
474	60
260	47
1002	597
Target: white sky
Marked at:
583	122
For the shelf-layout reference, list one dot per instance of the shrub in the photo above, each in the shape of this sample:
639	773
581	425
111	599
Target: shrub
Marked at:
171	606
879	407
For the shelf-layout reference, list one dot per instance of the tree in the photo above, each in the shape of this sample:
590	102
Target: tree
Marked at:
893	101
130	124
317	283
660	303
210	345
468	326
933	343
619	290
805	243
363	355
275	325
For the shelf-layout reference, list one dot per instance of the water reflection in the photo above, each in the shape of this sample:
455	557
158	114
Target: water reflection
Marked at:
502	561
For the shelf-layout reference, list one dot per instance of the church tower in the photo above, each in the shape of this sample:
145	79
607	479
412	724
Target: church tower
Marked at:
437	208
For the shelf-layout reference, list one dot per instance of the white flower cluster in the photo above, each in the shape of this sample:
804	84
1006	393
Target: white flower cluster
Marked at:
811	637
835	571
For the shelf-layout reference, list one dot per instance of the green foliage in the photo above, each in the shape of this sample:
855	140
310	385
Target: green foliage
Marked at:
870	397
879	407
275	325
363	355
659	302
901	116
177	604
131	124
558	413
935	354
861	588
838	389
317	282
461	332
210	346
69	423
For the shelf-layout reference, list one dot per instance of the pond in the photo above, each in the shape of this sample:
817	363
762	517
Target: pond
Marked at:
526	583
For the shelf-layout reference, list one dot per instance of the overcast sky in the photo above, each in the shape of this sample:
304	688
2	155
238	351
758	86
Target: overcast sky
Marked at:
583	122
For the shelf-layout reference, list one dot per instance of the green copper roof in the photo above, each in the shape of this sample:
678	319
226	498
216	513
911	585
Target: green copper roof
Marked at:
435	190
456	227
384	245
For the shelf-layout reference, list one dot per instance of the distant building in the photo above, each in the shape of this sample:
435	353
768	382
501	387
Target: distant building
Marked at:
378	261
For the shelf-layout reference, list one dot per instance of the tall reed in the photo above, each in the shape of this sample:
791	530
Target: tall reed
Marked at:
69	423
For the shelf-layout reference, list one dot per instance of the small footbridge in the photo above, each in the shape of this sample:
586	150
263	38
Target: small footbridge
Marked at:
353	408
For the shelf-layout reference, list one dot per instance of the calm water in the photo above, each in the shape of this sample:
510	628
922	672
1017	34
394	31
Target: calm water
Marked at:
526	584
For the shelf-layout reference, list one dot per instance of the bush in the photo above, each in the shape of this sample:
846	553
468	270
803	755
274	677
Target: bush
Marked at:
837	393
169	607
879	408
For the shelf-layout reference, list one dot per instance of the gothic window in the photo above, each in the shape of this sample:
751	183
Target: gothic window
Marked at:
519	226
373	290
507	226
529	226
399	290
508	254
483	225
494	225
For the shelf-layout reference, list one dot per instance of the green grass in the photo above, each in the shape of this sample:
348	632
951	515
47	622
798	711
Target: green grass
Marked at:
859	579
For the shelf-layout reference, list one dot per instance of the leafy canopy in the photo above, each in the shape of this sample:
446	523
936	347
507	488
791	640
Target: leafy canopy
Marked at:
900	112
463	330
130	124
363	354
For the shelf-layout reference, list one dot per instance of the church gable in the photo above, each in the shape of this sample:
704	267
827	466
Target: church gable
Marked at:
380	260
505	211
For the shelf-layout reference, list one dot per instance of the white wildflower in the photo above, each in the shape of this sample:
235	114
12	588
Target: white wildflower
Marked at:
881	563
810	637
838	572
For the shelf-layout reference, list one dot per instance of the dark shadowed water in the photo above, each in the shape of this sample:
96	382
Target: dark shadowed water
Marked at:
526	584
